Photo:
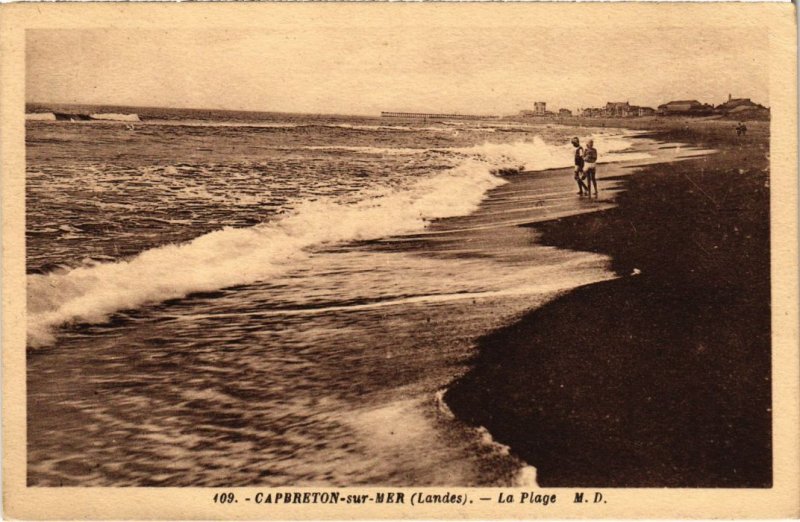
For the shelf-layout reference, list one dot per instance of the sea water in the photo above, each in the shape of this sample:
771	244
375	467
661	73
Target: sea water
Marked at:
224	299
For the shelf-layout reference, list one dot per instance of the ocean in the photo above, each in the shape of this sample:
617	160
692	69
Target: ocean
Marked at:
240	299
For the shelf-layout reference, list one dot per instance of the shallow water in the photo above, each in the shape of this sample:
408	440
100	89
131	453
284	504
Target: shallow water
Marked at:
337	280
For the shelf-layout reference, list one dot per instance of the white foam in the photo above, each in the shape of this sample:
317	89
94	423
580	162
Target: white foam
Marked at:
113	116
386	151
287	125
235	124
40	116
526	474
526	477
442	406
230	257
536	154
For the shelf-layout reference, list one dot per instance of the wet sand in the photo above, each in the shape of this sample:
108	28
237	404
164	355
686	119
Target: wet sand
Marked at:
660	378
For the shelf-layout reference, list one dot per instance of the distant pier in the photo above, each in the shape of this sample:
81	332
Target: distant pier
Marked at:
426	115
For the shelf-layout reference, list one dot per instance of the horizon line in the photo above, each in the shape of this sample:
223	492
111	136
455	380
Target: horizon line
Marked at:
312	113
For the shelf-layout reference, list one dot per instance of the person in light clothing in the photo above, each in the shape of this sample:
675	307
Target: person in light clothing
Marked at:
590	167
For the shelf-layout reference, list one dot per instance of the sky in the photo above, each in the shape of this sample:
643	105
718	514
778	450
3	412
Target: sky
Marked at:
365	70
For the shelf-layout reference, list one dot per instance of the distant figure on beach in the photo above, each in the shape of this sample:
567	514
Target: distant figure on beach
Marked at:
590	167
579	165
741	129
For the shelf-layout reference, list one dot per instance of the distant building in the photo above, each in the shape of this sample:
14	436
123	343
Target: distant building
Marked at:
591	112
564	113
539	109
618	109
645	111
685	107
738	105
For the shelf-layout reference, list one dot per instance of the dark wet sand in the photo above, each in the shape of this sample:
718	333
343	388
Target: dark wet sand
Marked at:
655	380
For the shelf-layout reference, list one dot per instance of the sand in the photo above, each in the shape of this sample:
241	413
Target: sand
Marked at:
660	378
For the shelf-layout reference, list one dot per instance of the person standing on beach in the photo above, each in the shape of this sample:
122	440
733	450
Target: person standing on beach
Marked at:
741	129
590	167
579	165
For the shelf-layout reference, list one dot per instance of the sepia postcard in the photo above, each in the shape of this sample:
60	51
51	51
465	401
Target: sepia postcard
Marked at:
399	261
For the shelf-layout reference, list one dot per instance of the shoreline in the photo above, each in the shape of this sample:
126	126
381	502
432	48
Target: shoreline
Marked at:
661	379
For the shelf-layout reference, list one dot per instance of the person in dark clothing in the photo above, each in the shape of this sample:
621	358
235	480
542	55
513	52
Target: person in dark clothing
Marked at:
579	165
741	129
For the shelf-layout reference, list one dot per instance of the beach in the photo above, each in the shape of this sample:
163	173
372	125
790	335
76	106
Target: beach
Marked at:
222	298
660	377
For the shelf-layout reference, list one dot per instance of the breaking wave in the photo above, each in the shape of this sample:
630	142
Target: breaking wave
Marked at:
113	116
236	256
539	155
